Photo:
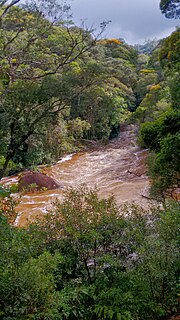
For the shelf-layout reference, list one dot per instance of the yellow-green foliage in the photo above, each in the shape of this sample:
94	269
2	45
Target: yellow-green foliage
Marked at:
170	52
155	87
113	41
147	71
110	41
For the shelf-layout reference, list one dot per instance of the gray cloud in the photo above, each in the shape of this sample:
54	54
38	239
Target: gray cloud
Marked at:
133	20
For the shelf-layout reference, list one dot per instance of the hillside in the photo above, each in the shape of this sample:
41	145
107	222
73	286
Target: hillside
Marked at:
64	90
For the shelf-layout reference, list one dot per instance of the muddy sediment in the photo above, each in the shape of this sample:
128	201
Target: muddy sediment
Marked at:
118	169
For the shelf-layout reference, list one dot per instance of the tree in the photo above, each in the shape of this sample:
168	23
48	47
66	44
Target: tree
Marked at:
89	259
113	266
171	8
169	59
170	50
28	290
160	108
162	136
34	53
146	79
165	165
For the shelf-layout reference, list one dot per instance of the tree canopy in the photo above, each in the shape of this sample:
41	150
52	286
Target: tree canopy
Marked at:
61	86
89	259
171	8
54	73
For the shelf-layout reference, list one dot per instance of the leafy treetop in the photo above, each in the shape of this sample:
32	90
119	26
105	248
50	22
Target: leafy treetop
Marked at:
171	8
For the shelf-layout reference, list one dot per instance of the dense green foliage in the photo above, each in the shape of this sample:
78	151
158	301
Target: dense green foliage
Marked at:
159	113
61	87
58	86
90	260
34	56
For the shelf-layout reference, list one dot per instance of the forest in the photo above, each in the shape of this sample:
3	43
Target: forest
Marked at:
63	87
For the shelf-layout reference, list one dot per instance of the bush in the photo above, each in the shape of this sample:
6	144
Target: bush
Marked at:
90	260
150	134
162	136
164	169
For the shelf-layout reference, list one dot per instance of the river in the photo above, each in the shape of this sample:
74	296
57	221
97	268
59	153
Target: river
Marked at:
117	168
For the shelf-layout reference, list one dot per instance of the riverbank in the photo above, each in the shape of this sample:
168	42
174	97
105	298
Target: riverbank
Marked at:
118	169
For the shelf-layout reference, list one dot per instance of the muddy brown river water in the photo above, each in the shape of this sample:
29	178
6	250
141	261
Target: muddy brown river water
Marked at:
115	169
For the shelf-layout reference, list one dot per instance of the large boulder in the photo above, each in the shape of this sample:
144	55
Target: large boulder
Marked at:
37	181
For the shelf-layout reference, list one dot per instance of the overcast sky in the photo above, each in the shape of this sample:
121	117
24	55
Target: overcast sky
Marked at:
134	20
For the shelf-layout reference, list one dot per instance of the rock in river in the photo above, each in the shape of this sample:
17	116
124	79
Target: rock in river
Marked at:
36	180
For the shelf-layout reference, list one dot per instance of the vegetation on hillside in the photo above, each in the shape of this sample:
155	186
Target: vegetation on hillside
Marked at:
88	259
160	117
60	86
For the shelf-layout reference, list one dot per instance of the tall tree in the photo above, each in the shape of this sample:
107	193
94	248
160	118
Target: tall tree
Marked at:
32	49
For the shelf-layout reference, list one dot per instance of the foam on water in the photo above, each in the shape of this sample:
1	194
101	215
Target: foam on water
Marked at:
66	158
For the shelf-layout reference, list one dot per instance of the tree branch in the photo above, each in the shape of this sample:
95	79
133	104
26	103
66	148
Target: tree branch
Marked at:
14	2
